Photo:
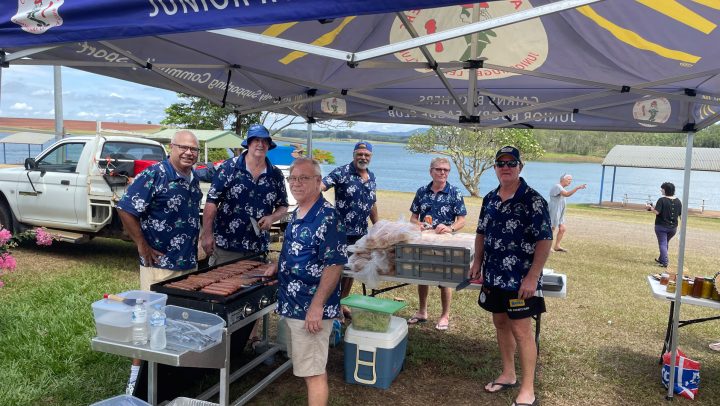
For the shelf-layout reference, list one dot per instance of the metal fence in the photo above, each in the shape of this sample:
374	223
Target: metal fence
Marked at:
699	204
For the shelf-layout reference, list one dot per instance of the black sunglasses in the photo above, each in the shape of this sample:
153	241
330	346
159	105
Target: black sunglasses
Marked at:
511	164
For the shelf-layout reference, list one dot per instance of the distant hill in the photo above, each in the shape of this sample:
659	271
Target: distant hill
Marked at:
396	136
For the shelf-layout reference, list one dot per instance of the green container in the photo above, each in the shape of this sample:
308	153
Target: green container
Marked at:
371	313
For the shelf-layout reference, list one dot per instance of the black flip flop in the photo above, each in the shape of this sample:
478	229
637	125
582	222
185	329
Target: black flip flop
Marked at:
534	403
503	386
416	320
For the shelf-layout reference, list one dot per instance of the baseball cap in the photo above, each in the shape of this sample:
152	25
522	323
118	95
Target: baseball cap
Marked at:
363	145
258	131
508	150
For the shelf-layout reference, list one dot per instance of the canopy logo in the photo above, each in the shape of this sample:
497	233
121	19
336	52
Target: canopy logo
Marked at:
522	45
656	110
38	16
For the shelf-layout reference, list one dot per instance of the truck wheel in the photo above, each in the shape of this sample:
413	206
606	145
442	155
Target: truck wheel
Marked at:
6	217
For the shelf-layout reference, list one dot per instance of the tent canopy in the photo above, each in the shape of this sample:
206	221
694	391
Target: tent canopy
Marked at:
573	64
635	156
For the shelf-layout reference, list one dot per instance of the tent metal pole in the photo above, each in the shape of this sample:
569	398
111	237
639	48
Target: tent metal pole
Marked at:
681	260
602	183
57	92
309	140
612	190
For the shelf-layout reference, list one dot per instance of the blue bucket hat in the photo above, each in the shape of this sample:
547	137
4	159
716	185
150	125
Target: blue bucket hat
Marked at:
258	131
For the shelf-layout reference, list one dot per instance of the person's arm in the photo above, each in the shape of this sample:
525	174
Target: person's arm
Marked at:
131	224
529	283
328	284
207	239
415	219
266	222
571	192
374	214
455	226
475	268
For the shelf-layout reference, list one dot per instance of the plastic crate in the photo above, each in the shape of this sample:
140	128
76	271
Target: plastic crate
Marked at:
432	271
435	254
121	400
190	402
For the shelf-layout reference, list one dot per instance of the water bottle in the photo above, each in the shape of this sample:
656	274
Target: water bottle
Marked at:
139	324
157	329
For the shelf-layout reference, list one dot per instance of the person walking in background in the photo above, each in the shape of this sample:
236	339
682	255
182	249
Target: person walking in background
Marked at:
511	246
558	193
438	206
311	261
161	213
667	210
355	200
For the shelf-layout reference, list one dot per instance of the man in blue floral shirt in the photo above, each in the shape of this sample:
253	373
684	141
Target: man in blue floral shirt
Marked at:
511	246
355	200
160	211
311	261
439	206
246	197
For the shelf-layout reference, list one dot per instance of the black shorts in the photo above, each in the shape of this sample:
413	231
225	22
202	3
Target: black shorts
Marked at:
497	300
352	239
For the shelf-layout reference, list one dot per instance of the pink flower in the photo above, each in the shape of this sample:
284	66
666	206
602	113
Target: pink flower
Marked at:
8	262
2	284
42	237
5	236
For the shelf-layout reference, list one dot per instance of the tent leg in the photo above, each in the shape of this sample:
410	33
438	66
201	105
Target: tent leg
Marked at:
309	140
681	259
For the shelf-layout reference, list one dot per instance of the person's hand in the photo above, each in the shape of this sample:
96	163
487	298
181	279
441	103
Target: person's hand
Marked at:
149	255
442	229
207	241
583	186
528	287
269	271
313	319
475	271
265	223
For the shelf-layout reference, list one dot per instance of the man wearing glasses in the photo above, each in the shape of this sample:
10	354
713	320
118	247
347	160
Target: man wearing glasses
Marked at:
438	206
246	197
309	268
355	200
161	213
511	246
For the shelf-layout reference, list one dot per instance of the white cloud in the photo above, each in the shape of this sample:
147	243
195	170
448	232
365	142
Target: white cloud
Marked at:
21	107
116	95
85	114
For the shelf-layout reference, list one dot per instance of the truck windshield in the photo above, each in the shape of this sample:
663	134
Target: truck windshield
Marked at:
132	151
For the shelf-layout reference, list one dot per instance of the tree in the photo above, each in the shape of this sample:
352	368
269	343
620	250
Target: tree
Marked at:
198	113
473	151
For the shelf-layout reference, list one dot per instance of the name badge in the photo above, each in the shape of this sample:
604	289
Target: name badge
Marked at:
517	303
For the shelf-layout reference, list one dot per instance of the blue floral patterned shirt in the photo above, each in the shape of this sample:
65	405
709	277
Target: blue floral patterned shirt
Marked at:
311	244
511	229
443	206
168	207
239	197
354	198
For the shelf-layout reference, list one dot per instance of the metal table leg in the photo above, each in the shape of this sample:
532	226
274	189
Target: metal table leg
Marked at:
152	383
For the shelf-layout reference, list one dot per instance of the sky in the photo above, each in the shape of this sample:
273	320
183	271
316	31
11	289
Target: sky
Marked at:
27	92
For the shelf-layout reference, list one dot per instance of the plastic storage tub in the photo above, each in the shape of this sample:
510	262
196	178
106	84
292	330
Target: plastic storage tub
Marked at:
113	319
122	400
192	329
371	313
375	359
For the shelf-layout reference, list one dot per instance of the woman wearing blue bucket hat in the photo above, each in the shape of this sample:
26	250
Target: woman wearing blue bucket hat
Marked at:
260	132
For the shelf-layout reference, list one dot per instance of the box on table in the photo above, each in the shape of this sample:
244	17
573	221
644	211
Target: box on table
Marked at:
113	319
122	400
375	359
192	329
433	262
371	313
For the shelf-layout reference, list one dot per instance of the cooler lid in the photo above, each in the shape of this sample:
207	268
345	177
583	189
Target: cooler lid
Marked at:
397	331
373	303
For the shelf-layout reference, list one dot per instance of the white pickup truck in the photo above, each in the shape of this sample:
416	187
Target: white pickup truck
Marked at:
72	187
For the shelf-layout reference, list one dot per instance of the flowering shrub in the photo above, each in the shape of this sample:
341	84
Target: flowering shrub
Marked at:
8	241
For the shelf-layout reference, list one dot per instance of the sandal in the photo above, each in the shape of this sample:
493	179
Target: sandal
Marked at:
503	386
416	320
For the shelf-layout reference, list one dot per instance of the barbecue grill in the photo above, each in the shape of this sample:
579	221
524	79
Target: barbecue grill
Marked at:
240	309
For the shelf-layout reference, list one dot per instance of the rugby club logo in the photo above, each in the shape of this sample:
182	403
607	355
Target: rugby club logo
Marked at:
38	16
656	110
523	45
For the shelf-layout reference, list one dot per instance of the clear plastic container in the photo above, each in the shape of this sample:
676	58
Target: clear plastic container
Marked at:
122	400
192	329
113	319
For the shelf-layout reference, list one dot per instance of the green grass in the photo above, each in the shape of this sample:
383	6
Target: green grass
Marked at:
601	343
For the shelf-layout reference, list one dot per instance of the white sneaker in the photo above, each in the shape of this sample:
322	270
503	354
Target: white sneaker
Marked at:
130	388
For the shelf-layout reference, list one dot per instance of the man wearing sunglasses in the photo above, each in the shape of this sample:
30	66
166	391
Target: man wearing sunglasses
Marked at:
511	246
437	206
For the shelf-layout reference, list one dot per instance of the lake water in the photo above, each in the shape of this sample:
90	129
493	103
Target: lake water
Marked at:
398	169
